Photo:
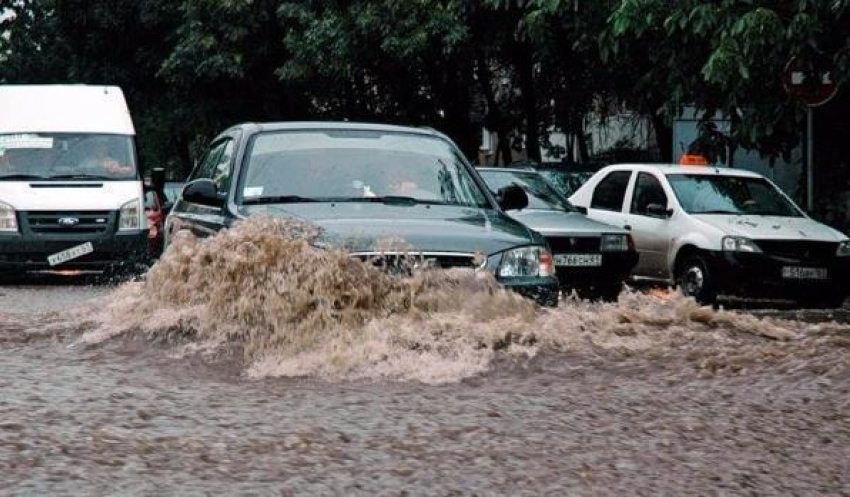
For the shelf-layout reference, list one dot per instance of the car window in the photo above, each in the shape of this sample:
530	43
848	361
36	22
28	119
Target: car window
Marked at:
648	190
730	195
610	191
208	163
221	170
150	200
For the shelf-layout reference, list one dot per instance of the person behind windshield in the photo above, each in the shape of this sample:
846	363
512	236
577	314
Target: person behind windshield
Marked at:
101	160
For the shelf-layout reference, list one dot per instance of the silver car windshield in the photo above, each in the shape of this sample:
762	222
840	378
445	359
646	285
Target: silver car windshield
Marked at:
62	156
710	194
356	165
541	195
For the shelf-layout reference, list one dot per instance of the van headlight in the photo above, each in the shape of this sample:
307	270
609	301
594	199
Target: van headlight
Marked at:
8	218
614	243
526	261
843	249
739	244
129	216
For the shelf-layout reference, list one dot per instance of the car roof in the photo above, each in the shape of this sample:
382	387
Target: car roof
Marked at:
507	170
679	169
259	127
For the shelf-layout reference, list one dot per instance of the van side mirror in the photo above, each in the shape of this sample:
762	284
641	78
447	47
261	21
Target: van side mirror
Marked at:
202	191
512	197
658	210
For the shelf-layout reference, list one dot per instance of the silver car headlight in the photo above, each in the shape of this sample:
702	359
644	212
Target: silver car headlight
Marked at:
843	249
740	244
526	261
8	218
614	243
129	216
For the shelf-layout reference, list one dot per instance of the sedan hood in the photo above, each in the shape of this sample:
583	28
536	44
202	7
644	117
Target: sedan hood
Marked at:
772	227
558	223
359	227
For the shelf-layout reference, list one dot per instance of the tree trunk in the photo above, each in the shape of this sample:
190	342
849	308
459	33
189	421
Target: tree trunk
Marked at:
525	68
493	120
663	137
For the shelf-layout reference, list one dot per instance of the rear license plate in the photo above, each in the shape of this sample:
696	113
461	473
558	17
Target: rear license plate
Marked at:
71	253
578	260
804	273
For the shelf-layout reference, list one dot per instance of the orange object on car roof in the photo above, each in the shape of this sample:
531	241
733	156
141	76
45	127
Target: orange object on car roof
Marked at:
693	160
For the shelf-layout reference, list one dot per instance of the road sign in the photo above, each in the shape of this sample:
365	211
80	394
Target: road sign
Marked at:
811	83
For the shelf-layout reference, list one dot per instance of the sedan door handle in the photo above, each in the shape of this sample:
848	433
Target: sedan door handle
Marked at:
628	227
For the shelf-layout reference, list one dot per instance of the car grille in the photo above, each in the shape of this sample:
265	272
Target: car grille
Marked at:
574	244
67	222
798	250
423	260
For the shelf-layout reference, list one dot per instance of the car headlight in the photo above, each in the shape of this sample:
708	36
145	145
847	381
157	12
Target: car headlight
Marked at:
615	243
526	261
8	218
129	216
842	251
739	244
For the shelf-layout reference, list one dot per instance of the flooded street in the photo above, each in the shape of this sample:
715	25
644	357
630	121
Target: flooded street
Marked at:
651	395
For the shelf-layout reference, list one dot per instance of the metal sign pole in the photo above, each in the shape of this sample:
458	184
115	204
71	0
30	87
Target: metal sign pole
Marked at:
810	173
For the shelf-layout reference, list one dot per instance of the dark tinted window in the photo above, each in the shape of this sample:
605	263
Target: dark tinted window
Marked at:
216	165
648	190
609	193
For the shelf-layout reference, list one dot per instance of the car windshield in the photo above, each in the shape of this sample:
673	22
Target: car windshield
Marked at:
566	182
711	194
63	156
356	165
541	195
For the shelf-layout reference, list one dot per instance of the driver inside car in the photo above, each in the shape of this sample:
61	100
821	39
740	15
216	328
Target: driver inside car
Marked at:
102	160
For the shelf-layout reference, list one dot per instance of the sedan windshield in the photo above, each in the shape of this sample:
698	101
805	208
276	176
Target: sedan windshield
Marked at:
709	194
566	181
63	156
541	195
356	165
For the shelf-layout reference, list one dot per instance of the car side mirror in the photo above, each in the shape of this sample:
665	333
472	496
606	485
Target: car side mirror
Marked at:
512	197
658	210
202	191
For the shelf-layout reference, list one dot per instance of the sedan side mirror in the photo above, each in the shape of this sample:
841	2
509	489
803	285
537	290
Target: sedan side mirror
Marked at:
202	191
512	197
658	210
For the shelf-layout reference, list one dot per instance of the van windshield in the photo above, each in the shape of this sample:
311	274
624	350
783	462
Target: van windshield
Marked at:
709	194
64	156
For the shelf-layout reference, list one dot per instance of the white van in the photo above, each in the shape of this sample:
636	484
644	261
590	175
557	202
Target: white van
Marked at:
70	190
720	231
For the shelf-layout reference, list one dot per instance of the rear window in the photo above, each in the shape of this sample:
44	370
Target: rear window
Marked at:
609	193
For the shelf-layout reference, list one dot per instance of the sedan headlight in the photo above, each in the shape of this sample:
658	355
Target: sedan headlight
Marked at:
614	243
843	249
740	244
8	219
129	216
526	261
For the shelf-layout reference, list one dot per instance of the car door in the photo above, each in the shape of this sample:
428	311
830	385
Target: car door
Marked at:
606	203
650	229
204	220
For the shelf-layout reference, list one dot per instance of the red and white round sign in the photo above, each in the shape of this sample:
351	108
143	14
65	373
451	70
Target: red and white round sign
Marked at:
813	86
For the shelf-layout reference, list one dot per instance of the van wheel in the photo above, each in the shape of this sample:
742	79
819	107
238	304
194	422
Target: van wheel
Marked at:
695	280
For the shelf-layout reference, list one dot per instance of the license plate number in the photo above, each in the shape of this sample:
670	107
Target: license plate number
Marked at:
578	260
69	254
804	273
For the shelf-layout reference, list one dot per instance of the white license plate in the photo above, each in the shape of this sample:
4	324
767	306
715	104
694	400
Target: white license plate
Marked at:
804	273
578	260
71	253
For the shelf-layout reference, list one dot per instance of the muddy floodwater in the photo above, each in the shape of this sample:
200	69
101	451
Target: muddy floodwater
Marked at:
307	384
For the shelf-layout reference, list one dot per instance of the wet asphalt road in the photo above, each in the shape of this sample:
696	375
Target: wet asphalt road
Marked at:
131	418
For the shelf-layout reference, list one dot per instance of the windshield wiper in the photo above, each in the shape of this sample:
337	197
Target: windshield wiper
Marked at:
280	199
22	176
718	211
392	200
79	176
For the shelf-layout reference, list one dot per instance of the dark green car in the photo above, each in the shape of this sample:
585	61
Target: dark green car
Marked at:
363	183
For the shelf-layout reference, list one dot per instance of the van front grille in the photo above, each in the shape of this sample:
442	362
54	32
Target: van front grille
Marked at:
67	222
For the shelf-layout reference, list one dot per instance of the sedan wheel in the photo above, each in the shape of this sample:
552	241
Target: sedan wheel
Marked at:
693	277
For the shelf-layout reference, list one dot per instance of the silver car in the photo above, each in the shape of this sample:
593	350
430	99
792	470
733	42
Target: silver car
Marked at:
590	257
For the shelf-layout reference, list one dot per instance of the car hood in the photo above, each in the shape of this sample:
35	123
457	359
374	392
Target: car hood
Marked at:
361	226
772	227
553	223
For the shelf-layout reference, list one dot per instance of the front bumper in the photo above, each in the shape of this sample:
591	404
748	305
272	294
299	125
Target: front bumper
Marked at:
616	268
544	290
23	253
760	275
